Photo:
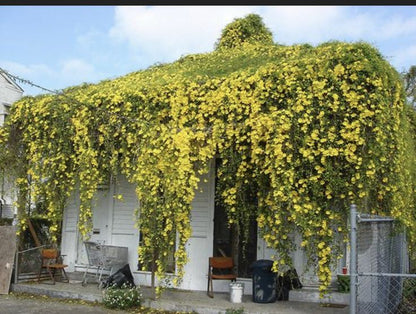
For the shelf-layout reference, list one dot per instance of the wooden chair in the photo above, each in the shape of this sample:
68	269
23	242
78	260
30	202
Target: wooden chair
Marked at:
220	268
51	261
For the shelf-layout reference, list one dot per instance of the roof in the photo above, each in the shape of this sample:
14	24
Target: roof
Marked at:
11	81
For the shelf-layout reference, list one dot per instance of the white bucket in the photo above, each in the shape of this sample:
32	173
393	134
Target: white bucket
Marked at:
236	292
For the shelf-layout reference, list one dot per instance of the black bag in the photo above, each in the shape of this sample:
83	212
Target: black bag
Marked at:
283	286
120	277
294	279
290	280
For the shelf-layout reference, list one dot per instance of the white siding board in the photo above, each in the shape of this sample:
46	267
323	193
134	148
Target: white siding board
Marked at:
123	212
9	92
124	232
200	214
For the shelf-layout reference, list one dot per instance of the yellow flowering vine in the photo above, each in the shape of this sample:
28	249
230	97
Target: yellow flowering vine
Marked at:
301	132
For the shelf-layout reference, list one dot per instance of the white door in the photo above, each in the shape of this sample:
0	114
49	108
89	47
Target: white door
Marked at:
100	219
200	245
70	234
100	232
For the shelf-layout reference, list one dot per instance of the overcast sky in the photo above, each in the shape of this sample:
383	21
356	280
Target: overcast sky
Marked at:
61	46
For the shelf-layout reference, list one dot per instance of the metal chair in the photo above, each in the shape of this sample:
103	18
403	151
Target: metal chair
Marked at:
51	261
220	268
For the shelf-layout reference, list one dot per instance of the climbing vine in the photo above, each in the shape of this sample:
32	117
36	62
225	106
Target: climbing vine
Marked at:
304	131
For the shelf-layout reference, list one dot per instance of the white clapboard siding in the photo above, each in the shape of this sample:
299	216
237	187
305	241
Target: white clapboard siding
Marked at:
7	211
9	91
124	233
71	213
201	210
71	216
123	212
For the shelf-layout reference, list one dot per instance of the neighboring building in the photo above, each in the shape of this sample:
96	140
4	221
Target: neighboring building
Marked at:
9	93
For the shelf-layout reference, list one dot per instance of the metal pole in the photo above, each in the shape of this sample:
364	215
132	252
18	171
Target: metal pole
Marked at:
16	267
16	256
353	259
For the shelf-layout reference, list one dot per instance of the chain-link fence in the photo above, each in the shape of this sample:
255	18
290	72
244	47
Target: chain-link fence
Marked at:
387	293
380	282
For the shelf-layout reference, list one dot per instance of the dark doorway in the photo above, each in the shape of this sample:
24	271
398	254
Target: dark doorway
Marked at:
228	241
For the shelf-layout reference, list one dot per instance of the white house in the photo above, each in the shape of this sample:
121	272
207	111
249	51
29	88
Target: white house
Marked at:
250	86
9	93
113	224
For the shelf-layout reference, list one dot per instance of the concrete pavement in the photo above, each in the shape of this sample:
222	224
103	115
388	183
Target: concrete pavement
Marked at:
11	304
174	300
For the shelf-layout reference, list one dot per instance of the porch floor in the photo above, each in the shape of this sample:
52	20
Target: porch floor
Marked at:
177	300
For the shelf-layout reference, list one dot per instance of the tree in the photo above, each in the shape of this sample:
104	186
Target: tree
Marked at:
409	79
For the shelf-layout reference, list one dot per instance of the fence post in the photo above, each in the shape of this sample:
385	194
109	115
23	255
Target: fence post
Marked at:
353	259
16	267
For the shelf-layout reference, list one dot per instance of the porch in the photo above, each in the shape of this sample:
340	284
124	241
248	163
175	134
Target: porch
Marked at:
179	300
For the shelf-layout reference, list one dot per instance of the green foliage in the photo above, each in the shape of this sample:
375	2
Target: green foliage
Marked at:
249	29
343	283
6	221
409	78
408	300
41	227
122	298
409	288
234	311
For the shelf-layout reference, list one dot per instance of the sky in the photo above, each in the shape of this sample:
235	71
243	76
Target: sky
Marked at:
61	46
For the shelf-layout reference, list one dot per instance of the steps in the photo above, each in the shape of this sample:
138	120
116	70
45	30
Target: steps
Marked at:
312	295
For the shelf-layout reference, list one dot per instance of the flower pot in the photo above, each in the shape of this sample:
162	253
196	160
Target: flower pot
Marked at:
236	292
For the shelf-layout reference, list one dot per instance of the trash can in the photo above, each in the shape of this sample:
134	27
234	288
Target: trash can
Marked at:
264	281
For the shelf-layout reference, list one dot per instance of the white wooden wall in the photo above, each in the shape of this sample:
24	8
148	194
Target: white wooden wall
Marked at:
307	275
123	231
115	219
9	93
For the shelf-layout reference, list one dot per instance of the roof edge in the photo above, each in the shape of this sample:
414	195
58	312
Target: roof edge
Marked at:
11	81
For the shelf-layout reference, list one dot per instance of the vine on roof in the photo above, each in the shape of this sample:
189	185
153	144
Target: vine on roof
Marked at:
308	131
